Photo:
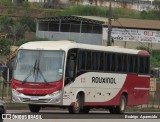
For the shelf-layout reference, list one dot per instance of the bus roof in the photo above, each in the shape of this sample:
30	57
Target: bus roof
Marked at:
66	45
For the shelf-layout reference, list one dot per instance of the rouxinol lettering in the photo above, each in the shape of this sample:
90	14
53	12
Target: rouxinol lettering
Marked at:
103	80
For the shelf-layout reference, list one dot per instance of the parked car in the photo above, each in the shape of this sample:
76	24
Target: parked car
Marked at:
2	109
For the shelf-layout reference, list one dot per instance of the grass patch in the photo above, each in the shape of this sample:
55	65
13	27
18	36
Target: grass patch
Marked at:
16	106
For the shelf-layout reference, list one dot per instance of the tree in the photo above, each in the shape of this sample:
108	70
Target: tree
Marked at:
18	30
4	47
156	4
28	21
5	2
5	23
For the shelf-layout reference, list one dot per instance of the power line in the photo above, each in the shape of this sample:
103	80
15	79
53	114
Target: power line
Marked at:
109	24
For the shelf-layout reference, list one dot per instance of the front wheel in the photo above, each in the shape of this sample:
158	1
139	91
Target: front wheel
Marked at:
75	109
2	111
34	108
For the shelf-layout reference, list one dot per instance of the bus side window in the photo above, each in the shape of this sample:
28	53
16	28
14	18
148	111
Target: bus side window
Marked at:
82	60
124	63
146	65
119	63
101	61
143	65
113	62
88	60
70	67
107	62
94	61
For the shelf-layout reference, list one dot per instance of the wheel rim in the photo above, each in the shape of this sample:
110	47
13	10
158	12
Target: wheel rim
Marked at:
77	105
122	105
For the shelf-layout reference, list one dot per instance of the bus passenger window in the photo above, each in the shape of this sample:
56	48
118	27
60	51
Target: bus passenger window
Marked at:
124	63
146	65
113	62
107	62
101	61
81	60
141	64
70	68
88	60
119	63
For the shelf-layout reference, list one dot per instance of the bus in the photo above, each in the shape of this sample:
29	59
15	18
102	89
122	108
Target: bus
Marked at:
80	76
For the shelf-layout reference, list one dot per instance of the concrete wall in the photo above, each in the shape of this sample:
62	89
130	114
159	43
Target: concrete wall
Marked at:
137	44
78	37
91	39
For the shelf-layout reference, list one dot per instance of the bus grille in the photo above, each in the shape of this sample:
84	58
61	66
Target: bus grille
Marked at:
35	101
36	94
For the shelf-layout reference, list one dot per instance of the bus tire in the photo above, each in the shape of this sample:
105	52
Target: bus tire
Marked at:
34	108
122	107
2	111
75	109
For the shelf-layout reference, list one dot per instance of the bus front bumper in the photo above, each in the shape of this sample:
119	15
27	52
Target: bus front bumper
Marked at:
52	99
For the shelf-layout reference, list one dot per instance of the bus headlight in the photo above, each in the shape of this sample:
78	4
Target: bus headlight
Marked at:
55	93
15	92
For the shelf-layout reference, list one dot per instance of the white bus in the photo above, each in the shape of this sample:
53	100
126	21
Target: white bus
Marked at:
80	76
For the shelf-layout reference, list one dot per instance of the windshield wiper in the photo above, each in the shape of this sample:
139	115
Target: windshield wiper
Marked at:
30	72
40	72
35	70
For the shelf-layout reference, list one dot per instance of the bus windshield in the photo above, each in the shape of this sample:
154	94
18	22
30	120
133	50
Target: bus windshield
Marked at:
39	66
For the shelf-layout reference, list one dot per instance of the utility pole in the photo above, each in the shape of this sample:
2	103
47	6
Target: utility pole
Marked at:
109	41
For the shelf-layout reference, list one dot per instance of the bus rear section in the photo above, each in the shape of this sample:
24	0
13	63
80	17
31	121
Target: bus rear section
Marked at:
80	76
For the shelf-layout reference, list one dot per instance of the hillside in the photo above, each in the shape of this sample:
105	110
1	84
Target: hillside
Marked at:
16	11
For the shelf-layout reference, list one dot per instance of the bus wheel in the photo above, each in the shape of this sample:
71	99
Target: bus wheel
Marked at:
77	106
2	111
34	108
122	107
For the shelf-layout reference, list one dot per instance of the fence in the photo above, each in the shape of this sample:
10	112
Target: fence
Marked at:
5	91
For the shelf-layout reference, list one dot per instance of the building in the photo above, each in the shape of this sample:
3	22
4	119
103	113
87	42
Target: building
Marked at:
129	33
132	33
139	5
82	29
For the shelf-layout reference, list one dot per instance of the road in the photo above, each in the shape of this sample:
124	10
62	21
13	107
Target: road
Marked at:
61	115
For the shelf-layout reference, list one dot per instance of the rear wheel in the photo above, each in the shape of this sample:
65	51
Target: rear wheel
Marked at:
122	107
34	108
75	109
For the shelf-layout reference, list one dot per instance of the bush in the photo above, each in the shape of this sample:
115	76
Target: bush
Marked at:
154	62
6	2
5	46
86	10
142	48
28	21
